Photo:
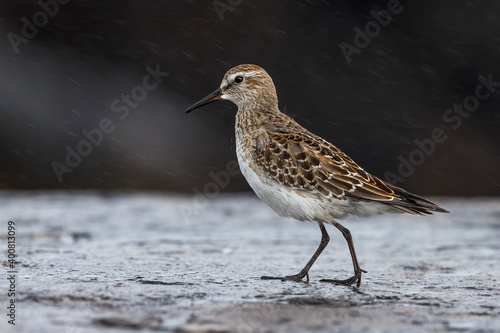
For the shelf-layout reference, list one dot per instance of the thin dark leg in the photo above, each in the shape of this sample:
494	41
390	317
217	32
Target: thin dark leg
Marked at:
357	269
305	271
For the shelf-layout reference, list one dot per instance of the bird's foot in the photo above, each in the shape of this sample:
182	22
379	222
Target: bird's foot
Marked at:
347	282
296	277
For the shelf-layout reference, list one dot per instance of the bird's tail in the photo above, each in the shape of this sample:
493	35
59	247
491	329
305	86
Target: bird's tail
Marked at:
413	204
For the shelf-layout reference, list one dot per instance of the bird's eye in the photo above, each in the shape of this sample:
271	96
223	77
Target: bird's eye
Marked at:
238	79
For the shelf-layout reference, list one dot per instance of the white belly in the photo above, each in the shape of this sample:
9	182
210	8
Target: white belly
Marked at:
300	204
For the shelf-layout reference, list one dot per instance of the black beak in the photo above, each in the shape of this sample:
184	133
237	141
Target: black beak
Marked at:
215	96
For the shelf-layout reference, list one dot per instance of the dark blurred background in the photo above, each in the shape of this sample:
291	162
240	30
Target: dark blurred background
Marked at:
64	79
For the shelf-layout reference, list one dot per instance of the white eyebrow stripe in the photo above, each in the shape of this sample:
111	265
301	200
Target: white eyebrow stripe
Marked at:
252	73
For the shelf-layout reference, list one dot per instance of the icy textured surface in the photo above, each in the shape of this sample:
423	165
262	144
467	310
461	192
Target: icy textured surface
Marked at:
89	262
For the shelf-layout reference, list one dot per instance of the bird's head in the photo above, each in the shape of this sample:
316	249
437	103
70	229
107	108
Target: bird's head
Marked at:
244	85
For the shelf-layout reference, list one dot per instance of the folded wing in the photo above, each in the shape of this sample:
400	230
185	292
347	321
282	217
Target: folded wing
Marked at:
305	162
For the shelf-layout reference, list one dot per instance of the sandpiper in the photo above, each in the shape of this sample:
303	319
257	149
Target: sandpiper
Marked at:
300	175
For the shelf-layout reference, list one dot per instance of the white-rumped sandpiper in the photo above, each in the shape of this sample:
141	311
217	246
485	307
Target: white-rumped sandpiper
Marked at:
298	174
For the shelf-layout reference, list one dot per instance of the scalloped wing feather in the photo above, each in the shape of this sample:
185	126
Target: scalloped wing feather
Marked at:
305	162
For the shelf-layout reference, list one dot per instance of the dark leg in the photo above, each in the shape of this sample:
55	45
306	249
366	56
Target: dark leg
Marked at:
357	269
305	271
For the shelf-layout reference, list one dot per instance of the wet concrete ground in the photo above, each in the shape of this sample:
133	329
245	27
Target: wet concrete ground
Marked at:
89	262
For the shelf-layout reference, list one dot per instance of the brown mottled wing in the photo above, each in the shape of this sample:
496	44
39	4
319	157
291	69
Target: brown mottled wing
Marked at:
303	161
306	162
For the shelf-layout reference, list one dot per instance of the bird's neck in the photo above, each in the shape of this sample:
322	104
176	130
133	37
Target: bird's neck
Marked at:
256	115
